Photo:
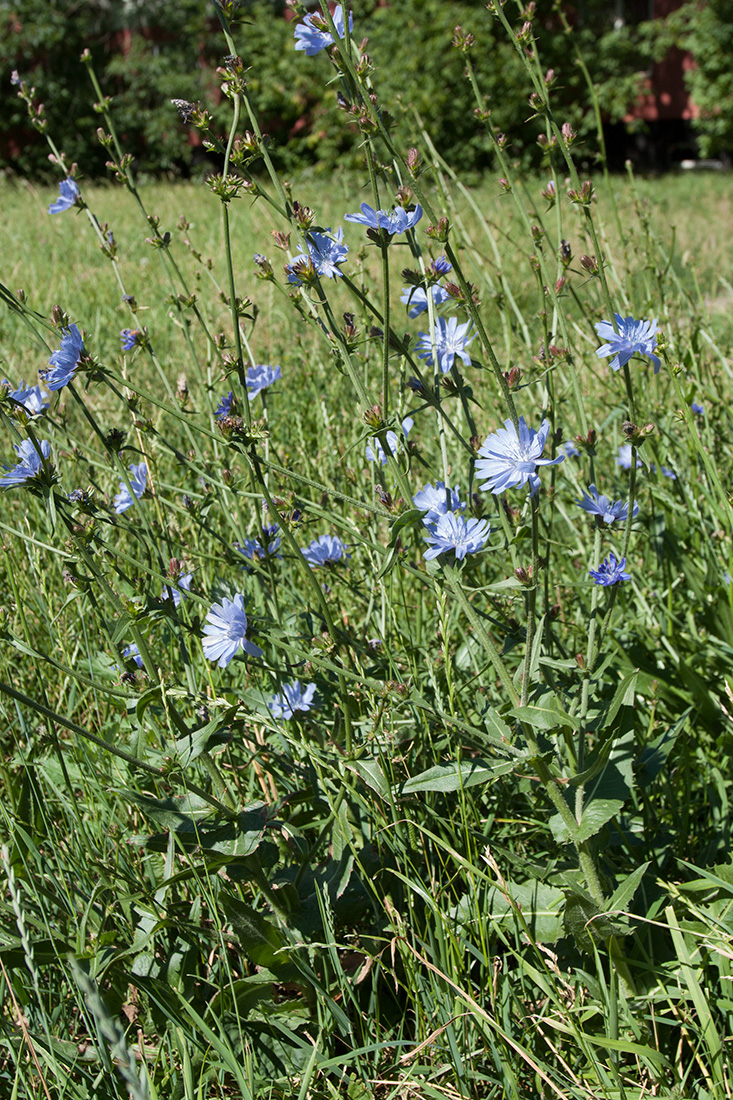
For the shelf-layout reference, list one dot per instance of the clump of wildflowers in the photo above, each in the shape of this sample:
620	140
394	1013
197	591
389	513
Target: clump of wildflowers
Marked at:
225	631
629	338
293	697
509	457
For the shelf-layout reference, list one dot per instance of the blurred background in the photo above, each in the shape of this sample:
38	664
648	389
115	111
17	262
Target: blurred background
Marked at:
661	71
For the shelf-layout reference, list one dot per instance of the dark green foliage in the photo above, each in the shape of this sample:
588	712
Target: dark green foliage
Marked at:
148	54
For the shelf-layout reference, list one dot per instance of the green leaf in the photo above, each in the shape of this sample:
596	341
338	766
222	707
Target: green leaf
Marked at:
262	942
623	894
547	714
654	756
371	773
541	907
453	777
595	816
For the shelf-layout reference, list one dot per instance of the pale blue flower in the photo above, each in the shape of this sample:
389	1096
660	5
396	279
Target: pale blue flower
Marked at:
292	698
451	340
64	361
260	377
30	464
608	511
324	254
697	408
177	594
313	35
138	481
610	571
569	449
624	457
225	631
132	652
68	194
392	222
375	451
435	501
325	550
452	532
32	398
629	338
253	548
509	458
417	297
225	406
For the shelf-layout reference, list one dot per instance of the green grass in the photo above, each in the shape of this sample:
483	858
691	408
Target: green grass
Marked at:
383	898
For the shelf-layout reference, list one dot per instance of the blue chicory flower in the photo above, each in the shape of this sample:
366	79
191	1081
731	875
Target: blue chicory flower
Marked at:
260	377
375	451
417	297
509	457
451	340
253	548
453	532
697	408
441	266
624	457
64	361
435	501
30	463
32	398
177	594
225	631
68	194
610	571
629	338
132	338
313	35
325	550
138	481
324	254
131	651
392	222
225	406
569	449
292	698
608	511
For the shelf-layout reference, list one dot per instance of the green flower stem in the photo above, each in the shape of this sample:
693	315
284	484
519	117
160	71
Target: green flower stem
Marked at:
384	249
531	600
452	576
